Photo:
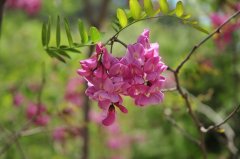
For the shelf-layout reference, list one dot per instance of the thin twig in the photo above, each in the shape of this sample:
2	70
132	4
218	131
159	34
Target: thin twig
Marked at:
216	31
212	127
195	119
17	134
86	107
184	95
181	130
119	41
2	2
21	150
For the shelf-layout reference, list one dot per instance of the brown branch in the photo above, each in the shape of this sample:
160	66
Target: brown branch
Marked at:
21	150
86	107
181	130
216	31
119	41
216	118
198	124
184	95
2	3
85	130
103	13
212	127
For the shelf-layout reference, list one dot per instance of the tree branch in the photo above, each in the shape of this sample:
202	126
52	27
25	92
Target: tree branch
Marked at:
2	3
216	31
212	127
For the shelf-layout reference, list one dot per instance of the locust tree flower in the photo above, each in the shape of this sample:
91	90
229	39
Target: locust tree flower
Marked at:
137	74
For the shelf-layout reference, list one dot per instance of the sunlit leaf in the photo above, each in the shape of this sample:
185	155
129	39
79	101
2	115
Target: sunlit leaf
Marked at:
187	16
200	28
95	34
135	9
193	22
44	34
220	130
82	31
179	9
164	7
48	36
63	53
148	7
68	32
54	54
73	50
58	32
122	17
115	27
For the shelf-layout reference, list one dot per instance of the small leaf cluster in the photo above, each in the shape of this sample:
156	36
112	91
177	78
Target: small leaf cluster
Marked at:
60	52
124	18
136	12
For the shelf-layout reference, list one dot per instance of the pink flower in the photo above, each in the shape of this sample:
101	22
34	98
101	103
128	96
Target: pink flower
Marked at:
74	92
37	113
18	99
42	120
226	35
137	74
14	3
31	7
59	134
238	6
145	67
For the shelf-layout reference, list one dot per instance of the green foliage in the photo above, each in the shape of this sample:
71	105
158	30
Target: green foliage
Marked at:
83	32
138	14
122	17
149	9
58	32
68	32
164	7
61	52
179	9
135	9
95	34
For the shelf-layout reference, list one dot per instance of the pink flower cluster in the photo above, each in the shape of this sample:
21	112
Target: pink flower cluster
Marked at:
38	114
226	36
31	7
73	92
61	134
116	139
137	74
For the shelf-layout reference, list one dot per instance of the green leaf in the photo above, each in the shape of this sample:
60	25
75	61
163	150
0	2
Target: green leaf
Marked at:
82	31
200	28
48	37
44	34
135	9
58	32
115	27
193	22
164	6
187	16
122	17
148	7
95	34
63	53
55	55
179	9
68	32
73	50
